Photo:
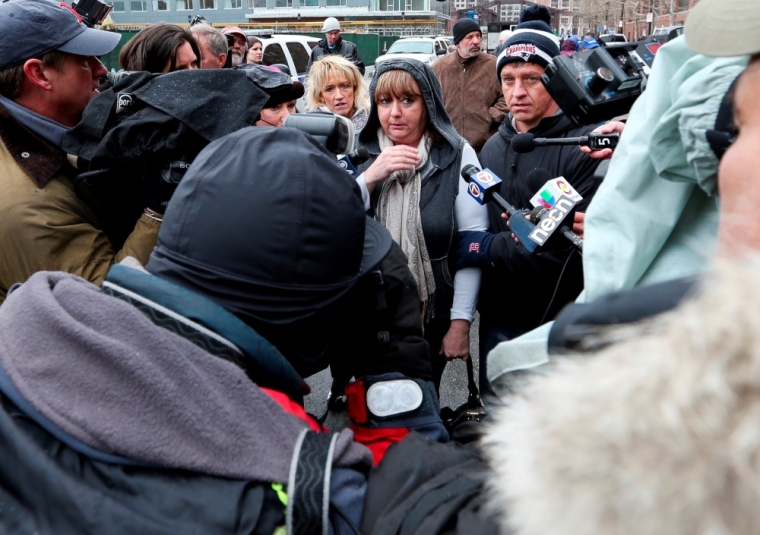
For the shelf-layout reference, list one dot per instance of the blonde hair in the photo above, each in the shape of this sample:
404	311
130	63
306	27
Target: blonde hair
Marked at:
340	67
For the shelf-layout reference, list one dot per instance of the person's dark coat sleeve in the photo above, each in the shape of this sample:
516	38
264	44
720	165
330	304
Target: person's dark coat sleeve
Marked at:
357	59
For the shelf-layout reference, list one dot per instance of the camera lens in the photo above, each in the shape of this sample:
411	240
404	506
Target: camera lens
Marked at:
601	79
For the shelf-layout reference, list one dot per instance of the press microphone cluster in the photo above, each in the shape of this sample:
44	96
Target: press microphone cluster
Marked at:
553	202
483	186
596	141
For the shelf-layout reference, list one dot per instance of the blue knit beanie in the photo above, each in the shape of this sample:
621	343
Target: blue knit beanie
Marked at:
531	42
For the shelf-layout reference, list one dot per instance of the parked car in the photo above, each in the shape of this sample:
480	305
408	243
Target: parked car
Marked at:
610	38
424	49
290	50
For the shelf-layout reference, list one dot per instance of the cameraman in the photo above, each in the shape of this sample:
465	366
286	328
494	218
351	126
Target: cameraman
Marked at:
521	291
47	78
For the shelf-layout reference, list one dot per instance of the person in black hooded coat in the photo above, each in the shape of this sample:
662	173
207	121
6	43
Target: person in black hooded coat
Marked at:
441	203
521	291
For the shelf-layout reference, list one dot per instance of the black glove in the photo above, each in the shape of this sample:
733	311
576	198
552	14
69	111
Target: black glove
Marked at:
473	249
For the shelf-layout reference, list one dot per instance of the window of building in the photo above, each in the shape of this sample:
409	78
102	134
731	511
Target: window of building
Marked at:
233	4
207	4
140	5
184	5
310	3
118	7
259	3
273	54
336	2
283	3
160	5
300	57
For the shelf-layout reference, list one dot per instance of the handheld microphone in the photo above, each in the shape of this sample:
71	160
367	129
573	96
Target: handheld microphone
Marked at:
596	141
351	161
482	187
553	202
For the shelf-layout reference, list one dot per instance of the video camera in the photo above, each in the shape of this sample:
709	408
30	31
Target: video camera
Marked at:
334	132
596	86
93	12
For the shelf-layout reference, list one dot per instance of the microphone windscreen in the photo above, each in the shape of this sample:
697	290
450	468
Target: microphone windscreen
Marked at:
523	143
535	214
537	178
467	170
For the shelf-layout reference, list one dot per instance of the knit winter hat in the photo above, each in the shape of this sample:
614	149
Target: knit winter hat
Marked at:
463	27
532	40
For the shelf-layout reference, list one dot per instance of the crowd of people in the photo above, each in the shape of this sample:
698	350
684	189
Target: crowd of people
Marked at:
152	379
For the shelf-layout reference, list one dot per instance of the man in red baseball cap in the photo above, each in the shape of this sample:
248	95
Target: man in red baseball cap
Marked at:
239	47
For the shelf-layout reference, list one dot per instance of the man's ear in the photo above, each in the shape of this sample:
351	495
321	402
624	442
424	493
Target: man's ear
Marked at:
38	74
221	59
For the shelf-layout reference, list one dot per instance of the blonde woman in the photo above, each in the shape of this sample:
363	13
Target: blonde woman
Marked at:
336	85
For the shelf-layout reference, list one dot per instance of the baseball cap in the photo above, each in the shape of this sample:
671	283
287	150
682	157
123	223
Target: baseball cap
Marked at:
279	86
234	30
31	28
720	28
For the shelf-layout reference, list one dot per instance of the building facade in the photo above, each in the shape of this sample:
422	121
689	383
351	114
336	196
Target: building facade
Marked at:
391	17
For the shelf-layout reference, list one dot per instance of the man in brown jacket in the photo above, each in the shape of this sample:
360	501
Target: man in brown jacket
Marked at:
471	93
48	74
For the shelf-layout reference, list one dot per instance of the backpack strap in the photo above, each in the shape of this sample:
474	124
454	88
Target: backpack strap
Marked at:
309	484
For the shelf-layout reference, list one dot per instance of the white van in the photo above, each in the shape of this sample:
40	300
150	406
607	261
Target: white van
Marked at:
286	49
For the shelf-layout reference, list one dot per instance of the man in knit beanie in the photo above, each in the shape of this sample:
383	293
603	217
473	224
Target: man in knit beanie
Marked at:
545	281
471	96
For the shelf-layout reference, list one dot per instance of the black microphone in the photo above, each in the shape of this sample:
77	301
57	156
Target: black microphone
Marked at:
596	141
555	215
359	156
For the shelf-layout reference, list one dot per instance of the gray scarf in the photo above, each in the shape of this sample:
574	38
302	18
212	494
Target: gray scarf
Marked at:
103	373
399	210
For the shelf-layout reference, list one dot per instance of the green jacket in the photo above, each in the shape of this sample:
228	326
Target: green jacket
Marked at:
44	225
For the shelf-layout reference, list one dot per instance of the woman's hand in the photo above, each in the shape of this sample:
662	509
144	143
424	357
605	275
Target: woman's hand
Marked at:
392	159
456	343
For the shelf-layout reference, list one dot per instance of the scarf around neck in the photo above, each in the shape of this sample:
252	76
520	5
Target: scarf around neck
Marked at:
399	210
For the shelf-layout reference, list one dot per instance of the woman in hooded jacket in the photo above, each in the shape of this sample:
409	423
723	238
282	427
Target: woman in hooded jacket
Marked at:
412	182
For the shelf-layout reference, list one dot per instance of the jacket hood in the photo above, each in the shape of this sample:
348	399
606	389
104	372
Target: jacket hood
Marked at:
431	93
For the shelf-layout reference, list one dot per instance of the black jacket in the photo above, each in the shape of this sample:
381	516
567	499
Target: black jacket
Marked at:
347	49
440	185
517	292
384	321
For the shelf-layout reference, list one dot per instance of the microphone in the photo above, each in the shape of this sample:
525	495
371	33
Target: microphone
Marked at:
351	161
482	186
553	202
595	140
359	156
